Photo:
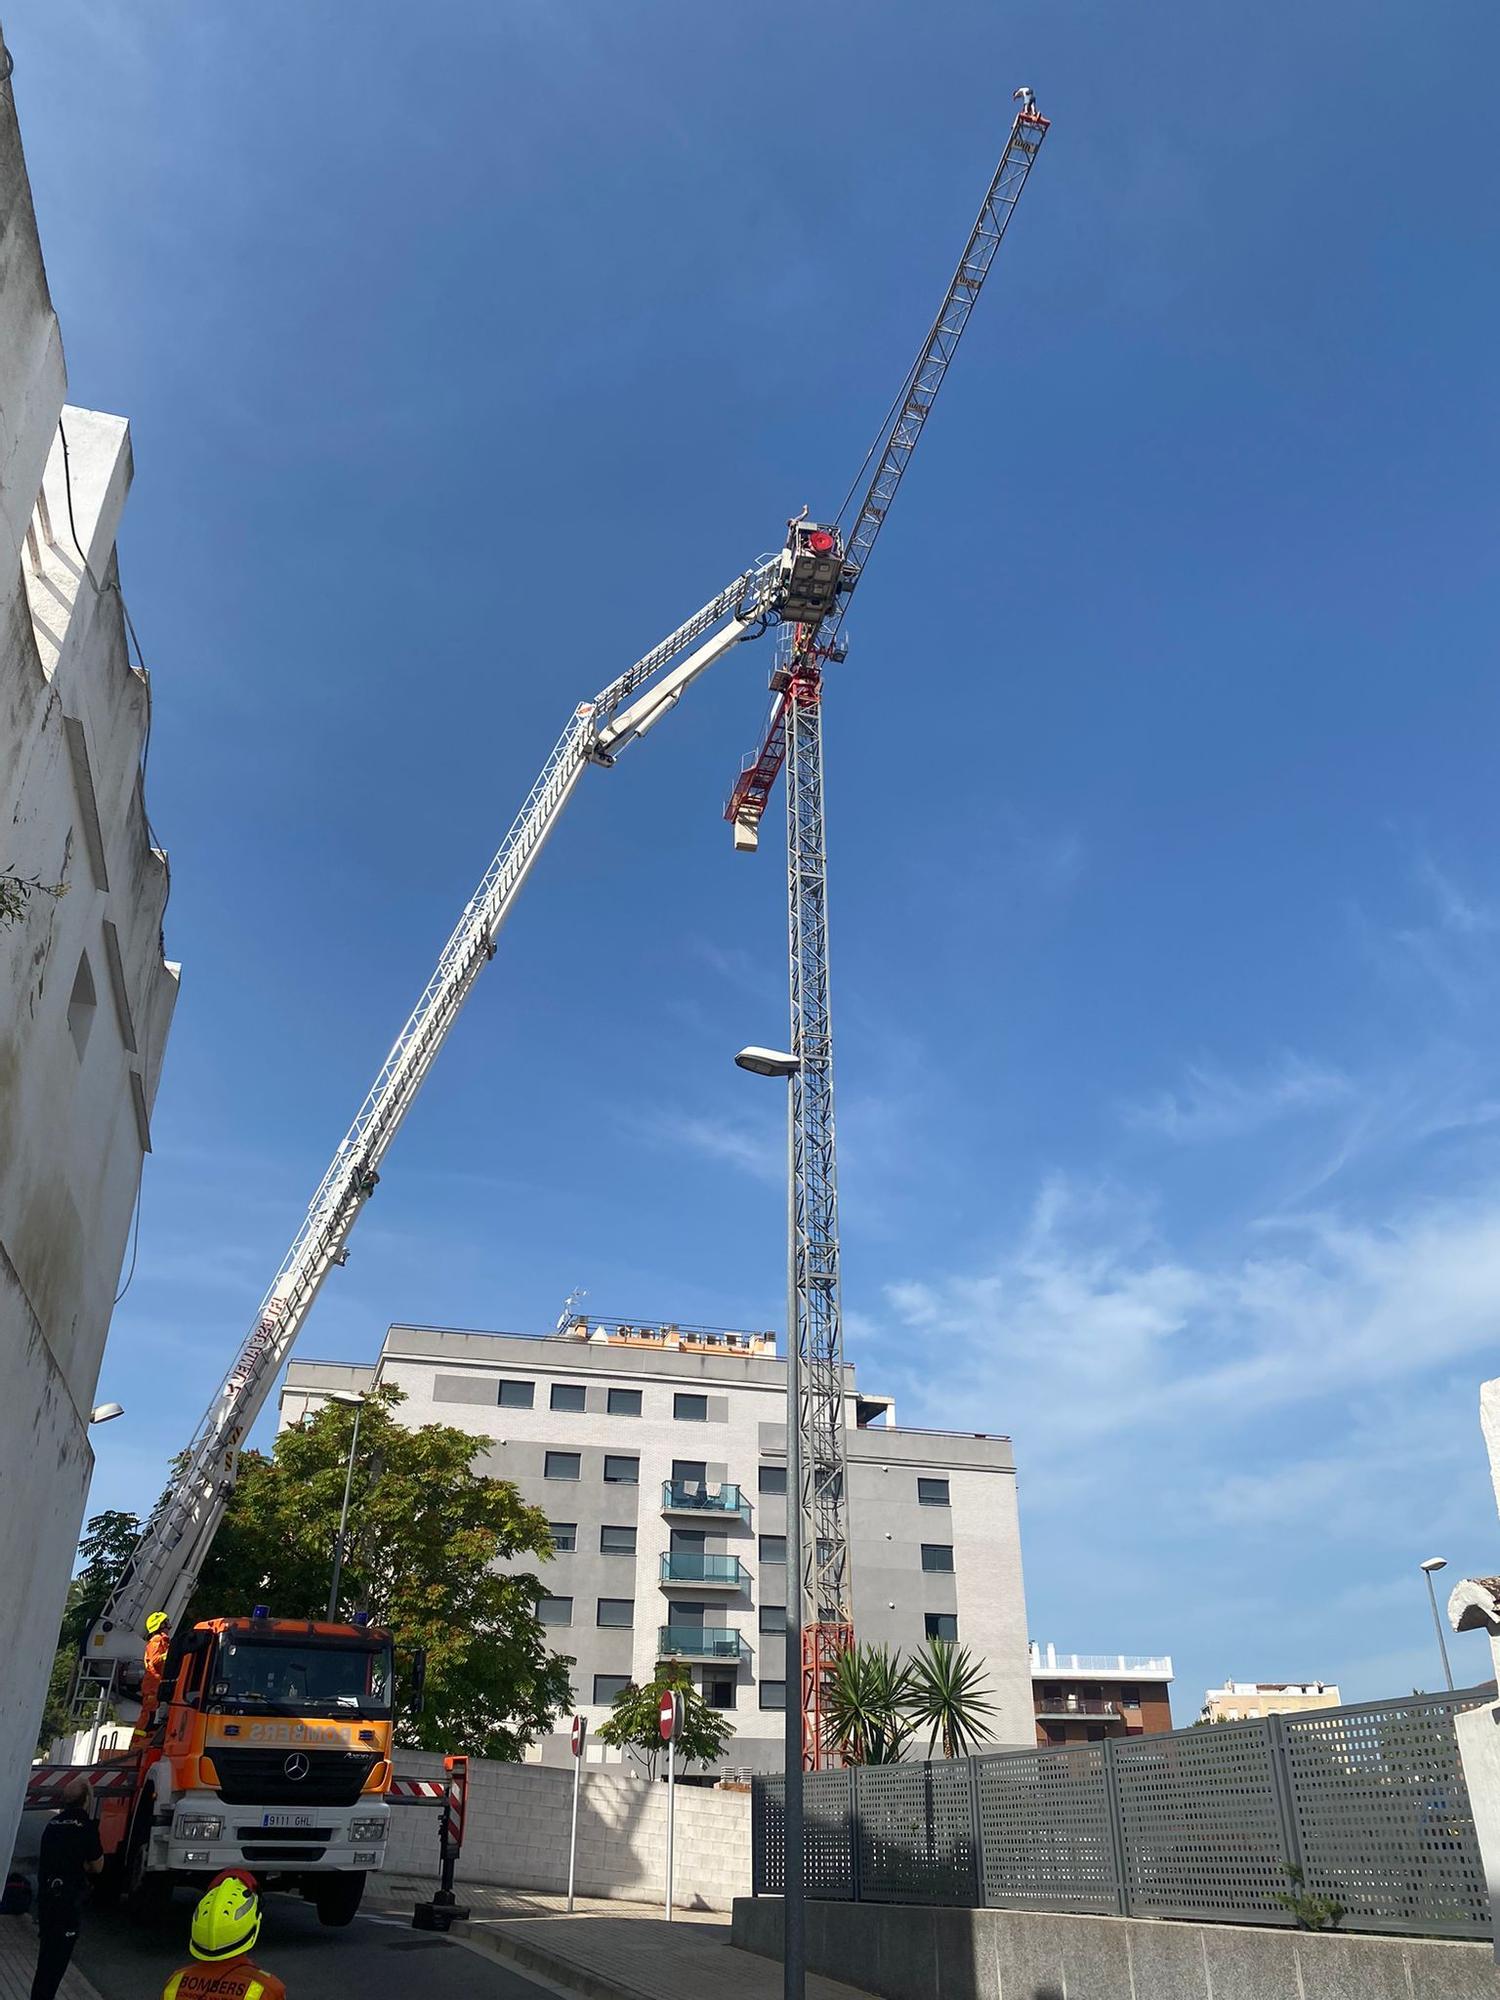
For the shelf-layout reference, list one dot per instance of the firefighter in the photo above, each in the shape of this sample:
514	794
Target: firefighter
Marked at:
158	1644
226	1924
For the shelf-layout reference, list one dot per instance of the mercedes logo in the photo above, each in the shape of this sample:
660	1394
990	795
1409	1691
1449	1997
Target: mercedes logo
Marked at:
298	1764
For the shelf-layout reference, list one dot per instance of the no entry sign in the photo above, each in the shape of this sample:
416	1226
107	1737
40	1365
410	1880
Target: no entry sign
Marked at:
580	1730
670	1716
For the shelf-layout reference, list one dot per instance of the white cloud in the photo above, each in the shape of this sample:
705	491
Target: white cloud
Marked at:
758	1150
1211	1104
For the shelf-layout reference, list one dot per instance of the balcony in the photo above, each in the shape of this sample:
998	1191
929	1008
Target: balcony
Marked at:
1061	1708
711	1572
699	1642
689	1496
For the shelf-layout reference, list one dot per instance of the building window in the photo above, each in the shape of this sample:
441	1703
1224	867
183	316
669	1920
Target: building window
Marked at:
773	1618
624	1402
719	1694
773	1548
616	1611
555	1610
82	1005
567	1395
689	1472
607	1686
1130	1697
773	1479
933	1492
617	1541
621	1471
941	1625
517	1395
690	1409
937	1555
773	1694
561	1465
564	1536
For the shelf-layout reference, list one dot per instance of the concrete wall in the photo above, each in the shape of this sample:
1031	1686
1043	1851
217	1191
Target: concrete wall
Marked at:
455	1377
516	1834
906	1953
85	999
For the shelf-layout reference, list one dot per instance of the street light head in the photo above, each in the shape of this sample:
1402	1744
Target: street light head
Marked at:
1435	1562
352	1396
105	1413
767	1062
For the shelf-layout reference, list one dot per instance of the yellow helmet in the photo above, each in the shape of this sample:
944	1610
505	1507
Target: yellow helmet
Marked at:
156	1622
227	1920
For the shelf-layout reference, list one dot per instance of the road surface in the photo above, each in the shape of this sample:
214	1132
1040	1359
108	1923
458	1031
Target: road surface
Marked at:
375	1955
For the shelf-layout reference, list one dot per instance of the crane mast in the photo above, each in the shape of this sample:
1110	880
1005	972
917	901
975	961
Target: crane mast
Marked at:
794	737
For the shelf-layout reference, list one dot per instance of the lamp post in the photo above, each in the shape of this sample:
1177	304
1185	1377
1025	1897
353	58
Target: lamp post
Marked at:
1429	1568
776	1062
348	1396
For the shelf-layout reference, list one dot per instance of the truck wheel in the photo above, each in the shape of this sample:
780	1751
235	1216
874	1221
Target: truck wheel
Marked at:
147	1891
337	1898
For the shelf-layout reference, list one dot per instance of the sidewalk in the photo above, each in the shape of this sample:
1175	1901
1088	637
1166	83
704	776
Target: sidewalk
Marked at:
611	1951
18	1963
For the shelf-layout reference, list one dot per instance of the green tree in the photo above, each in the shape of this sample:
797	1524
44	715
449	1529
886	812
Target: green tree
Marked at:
634	1720
866	1703
948	1696
105	1548
426	1533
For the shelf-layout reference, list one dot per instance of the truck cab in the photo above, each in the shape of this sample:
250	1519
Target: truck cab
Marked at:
273	1752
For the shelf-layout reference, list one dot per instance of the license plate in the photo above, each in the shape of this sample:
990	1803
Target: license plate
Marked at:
287	1819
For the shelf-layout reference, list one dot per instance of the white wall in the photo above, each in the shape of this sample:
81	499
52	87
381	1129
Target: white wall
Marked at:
516	1835
75	1093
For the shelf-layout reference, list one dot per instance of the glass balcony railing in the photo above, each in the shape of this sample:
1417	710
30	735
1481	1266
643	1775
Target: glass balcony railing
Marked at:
699	1642
692	1496
684	1566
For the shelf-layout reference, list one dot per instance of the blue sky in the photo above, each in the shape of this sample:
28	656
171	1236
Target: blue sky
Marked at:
468	349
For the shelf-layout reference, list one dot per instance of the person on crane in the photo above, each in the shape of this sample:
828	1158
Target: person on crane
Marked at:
226	1924
158	1645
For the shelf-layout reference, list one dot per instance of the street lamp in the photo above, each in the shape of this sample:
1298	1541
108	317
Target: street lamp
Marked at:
347	1396
105	1413
1433	1564
777	1062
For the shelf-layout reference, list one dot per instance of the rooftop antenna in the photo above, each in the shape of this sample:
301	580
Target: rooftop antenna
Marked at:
569	1311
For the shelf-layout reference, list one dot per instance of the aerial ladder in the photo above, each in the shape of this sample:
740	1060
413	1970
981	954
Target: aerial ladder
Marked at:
827	560
802	589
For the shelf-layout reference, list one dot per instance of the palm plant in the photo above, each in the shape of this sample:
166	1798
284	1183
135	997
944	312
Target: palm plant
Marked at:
866	1701
947	1694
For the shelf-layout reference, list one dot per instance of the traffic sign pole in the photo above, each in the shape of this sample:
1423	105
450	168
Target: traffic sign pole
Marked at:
580	1730
669	1721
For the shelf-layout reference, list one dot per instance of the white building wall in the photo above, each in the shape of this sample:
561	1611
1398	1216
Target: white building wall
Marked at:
85	999
455	1378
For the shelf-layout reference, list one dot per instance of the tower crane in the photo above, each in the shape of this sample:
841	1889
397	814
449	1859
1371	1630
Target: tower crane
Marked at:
802	589
825	561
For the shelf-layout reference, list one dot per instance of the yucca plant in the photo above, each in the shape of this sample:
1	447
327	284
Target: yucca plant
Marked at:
866	1700
947	1694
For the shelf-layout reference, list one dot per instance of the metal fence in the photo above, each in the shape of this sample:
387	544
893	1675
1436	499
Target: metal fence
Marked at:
1369	1802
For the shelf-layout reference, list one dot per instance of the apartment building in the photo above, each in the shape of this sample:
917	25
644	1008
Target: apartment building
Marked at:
1247	1701
1086	1697
658	1454
86	996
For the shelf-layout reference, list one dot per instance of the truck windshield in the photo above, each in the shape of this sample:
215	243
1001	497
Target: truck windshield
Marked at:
306	1679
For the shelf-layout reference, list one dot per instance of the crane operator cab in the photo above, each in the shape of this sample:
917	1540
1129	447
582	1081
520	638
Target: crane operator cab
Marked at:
811	572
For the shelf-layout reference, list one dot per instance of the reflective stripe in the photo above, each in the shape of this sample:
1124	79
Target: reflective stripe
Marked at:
169	1991
254	1990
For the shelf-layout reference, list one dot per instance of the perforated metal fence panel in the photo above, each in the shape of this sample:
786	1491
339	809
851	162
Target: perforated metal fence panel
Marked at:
916	1833
1046	1832
827	1835
1201	1824
1202	1829
1382	1819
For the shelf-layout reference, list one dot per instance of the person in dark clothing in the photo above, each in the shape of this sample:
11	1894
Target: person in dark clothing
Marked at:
70	1854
